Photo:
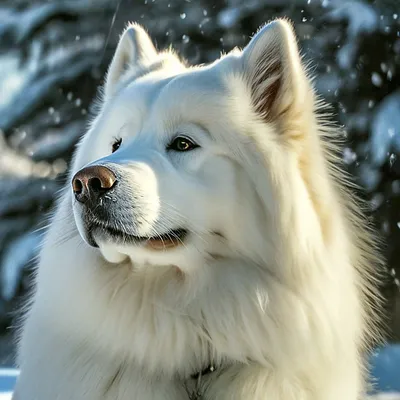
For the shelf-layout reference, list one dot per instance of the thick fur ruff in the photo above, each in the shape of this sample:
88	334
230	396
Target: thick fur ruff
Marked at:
275	283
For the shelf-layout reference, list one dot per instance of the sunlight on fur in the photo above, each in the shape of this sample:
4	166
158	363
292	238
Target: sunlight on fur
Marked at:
208	224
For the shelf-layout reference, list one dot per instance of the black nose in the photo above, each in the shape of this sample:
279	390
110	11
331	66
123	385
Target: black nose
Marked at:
91	182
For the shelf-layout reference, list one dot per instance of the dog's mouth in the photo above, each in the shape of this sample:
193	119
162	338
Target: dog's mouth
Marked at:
170	239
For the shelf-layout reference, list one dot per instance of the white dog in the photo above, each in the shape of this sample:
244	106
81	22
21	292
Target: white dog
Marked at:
207	247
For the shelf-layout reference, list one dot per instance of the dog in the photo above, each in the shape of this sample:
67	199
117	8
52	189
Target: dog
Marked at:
207	244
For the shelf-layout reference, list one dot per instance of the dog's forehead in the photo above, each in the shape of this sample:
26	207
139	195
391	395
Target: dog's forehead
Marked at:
187	95
194	83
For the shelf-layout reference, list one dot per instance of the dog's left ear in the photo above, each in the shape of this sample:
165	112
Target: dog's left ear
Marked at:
273	70
134	49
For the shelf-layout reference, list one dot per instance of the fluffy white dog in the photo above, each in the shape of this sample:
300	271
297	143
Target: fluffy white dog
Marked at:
207	246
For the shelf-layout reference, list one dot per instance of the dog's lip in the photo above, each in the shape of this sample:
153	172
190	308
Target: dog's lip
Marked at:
169	239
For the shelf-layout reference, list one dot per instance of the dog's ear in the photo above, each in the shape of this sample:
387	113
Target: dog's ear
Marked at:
134	49
273	70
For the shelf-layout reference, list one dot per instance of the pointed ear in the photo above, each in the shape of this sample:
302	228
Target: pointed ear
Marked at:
134	49
274	71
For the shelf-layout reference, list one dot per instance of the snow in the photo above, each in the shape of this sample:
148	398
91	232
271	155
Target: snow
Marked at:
16	257
361	19
385	128
7	382
386	368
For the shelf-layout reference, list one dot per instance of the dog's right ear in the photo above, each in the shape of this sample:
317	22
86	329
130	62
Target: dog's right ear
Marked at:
274	71
134	49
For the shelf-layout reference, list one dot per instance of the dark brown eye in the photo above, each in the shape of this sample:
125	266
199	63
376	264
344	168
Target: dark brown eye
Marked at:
182	143
116	145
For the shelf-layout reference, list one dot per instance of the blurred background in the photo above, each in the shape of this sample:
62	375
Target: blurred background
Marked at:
53	56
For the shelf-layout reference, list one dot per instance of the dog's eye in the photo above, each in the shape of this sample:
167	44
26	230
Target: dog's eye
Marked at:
182	143
116	144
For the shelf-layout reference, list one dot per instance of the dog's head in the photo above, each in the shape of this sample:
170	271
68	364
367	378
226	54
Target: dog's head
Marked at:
185	163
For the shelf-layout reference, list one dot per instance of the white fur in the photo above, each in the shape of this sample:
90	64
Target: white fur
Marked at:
279	302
